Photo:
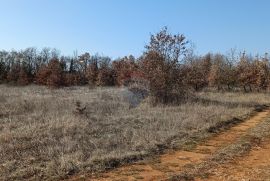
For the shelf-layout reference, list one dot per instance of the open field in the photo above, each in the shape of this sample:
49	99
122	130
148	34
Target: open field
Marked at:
174	162
51	134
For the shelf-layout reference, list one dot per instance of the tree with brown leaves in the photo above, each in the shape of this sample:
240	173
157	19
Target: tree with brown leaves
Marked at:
51	74
124	68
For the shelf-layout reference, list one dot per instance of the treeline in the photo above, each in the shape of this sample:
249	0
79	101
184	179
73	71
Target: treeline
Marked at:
168	69
47	67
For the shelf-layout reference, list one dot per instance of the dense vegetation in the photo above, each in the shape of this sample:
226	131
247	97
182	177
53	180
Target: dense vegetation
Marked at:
167	69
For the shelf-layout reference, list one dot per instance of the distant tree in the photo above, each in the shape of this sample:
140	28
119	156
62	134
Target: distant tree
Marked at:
82	67
14	73
106	75
93	70
197	70
231	60
218	72
71	65
24	78
246	72
29	59
167	69
3	72
51	74
71	79
83	60
161	66
54	54
124	69
45	56
170	47
262	73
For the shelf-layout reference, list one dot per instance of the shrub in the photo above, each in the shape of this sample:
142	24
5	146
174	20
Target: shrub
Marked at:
105	77
92	73
196	72
262	74
13	74
161	66
124	69
221	72
3	72
24	78
71	79
51	75
165	83
246	73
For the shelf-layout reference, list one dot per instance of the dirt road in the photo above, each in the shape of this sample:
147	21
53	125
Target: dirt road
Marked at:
174	162
254	166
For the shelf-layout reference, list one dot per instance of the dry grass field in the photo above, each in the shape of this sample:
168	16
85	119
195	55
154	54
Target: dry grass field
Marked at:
50	134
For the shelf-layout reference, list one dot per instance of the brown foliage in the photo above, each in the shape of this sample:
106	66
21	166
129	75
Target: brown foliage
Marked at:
197	71
24	78
105	77
13	74
262	74
51	75
92	72
71	79
246	73
124	69
165	84
162	69
221	73
170	47
3	72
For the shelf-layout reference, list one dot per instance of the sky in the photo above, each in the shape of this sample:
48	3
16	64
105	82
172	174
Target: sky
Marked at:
117	28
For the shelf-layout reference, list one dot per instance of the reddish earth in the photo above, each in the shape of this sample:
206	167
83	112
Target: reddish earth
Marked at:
254	166
173	162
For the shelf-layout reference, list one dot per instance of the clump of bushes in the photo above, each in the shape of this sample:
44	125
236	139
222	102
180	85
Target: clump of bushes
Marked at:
161	66
51	75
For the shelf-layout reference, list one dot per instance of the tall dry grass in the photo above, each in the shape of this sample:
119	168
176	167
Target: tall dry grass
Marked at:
42	137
